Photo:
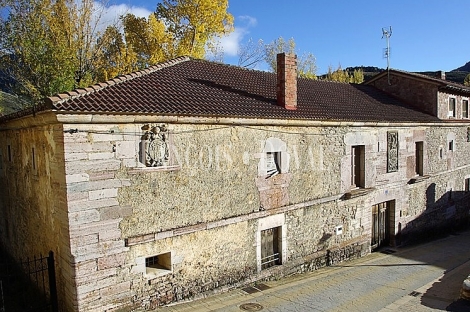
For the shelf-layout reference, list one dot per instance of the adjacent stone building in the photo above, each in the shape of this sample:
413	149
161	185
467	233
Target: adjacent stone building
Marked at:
193	176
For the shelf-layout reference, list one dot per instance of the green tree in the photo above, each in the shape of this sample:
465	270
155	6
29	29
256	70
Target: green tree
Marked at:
466	81
49	46
1	104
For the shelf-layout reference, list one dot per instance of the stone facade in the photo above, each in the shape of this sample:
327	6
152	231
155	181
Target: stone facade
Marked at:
205	211
144	210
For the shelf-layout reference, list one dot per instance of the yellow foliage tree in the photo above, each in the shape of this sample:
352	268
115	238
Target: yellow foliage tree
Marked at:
194	24
49	46
341	75
53	46
114	56
148	39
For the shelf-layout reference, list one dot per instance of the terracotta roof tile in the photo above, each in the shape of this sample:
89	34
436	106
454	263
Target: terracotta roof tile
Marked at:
186	86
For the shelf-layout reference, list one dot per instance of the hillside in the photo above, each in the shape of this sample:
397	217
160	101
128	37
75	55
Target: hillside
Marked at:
457	75
11	103
465	68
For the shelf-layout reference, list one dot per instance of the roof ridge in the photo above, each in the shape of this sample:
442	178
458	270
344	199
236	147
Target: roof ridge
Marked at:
61	97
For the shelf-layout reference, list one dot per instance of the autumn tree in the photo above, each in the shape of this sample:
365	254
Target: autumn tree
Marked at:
49	46
177	27
148	39
251	54
279	45
341	75
306	63
114	57
357	76
194	24
466	81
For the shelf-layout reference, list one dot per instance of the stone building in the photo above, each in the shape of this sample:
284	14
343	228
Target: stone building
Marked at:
192	176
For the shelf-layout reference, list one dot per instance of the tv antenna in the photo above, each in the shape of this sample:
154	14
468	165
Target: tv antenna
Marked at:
387	33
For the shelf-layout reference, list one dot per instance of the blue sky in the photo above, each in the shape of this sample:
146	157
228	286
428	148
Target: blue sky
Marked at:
426	34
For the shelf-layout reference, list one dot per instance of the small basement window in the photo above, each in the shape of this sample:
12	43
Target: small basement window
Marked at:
159	264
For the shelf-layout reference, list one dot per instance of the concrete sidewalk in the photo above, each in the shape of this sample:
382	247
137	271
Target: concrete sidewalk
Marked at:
426	277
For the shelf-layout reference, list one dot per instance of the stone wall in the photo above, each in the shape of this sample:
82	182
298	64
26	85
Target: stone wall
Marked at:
419	93
33	203
205	210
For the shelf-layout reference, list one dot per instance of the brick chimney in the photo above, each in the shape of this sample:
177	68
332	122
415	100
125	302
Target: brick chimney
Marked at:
287	81
441	74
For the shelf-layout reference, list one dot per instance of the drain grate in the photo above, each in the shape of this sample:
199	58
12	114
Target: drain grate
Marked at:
415	293
250	290
251	306
262	286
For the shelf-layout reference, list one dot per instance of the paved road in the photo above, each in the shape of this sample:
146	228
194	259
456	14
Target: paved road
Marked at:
425	277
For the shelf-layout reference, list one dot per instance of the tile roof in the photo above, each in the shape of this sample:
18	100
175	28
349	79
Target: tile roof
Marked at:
190	87
444	85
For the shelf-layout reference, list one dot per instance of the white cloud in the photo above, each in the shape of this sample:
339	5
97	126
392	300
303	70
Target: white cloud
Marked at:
249	20
110	15
231	43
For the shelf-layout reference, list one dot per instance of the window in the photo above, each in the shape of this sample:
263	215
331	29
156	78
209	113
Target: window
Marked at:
451	112
451	145
464	108
274	159
9	152
419	158
271	247
34	162
159	264
358	166
273	163
467	185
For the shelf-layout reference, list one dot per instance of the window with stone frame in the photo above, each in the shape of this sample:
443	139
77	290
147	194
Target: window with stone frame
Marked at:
34	161
275	159
9	153
451	111
419	158
465	108
158	264
467	185
358	166
271	247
